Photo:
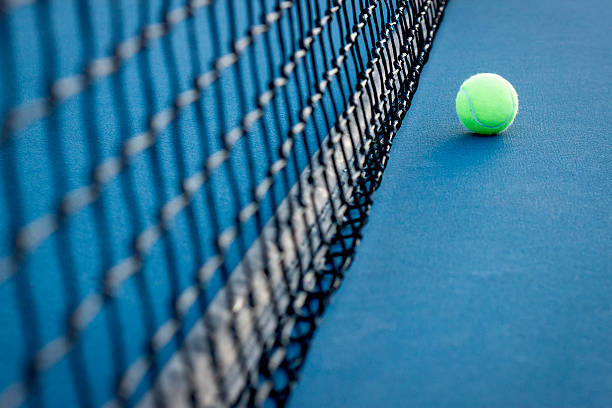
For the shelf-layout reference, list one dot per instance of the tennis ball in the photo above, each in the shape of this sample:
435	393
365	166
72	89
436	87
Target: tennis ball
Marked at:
486	104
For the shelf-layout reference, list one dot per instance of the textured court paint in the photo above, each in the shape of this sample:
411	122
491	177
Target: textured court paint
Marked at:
481	105
485	272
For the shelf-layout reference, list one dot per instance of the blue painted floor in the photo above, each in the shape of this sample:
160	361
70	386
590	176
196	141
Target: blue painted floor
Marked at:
484	278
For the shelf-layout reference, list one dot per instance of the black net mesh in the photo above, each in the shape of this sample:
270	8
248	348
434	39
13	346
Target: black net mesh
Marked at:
183	184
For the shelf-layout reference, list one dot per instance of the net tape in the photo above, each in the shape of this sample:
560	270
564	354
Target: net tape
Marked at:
271	301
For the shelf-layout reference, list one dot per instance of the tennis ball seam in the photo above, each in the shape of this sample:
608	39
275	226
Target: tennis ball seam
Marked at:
508	119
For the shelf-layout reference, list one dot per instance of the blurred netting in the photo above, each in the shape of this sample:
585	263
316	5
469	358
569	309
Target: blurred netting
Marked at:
183	184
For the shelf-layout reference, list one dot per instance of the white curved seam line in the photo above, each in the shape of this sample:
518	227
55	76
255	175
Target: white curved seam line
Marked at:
482	124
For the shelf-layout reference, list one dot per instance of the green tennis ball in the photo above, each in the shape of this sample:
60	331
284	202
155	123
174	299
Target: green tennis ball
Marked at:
487	104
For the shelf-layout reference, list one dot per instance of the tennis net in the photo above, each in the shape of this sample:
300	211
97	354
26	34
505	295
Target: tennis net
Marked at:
183	184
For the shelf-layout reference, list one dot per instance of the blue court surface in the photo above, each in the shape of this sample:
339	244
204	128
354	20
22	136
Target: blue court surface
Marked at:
484	277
